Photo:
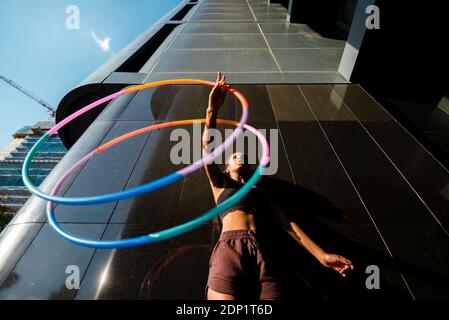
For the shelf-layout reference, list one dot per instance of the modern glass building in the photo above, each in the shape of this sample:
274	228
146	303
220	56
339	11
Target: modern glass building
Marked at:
13	192
360	179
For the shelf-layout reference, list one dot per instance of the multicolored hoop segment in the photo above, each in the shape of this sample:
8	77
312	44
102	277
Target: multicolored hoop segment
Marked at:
151	186
52	198
170	232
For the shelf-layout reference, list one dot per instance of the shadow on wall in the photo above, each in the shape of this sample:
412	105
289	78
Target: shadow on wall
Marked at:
405	66
305	278
326	17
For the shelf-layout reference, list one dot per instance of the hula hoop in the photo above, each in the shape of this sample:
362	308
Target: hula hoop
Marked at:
170	232
151	186
52	198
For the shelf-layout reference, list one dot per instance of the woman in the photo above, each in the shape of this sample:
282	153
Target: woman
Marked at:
242	263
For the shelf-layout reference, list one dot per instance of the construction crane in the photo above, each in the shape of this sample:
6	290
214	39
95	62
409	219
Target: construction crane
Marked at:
46	105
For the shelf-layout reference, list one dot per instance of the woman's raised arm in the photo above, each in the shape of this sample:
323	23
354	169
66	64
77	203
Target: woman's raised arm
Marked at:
216	99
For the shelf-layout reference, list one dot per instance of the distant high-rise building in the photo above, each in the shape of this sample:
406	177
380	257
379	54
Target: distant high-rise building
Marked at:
13	193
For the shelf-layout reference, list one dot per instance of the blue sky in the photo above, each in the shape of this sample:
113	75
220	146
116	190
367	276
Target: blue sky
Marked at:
38	52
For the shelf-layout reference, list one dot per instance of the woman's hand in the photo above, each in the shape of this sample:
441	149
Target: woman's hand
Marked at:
217	94
337	263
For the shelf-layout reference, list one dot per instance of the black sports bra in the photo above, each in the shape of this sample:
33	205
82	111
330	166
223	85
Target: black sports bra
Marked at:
247	204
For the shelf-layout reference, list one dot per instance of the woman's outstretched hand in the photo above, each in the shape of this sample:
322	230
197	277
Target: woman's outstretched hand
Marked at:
337	263
218	93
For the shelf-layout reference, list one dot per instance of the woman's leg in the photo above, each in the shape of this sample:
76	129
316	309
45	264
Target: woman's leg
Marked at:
214	295
232	267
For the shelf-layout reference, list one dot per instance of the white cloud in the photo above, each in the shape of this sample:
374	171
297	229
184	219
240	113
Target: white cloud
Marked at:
104	44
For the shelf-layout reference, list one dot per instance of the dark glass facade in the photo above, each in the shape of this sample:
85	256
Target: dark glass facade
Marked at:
349	173
13	192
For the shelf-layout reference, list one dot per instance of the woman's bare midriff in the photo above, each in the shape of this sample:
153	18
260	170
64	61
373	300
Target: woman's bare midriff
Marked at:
238	220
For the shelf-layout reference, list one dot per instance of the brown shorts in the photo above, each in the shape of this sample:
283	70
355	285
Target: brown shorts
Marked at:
242	265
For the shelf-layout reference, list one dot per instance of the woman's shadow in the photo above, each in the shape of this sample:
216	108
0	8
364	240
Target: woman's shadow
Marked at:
304	277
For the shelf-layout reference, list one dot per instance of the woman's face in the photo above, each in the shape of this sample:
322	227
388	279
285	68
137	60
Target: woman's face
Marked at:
236	162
